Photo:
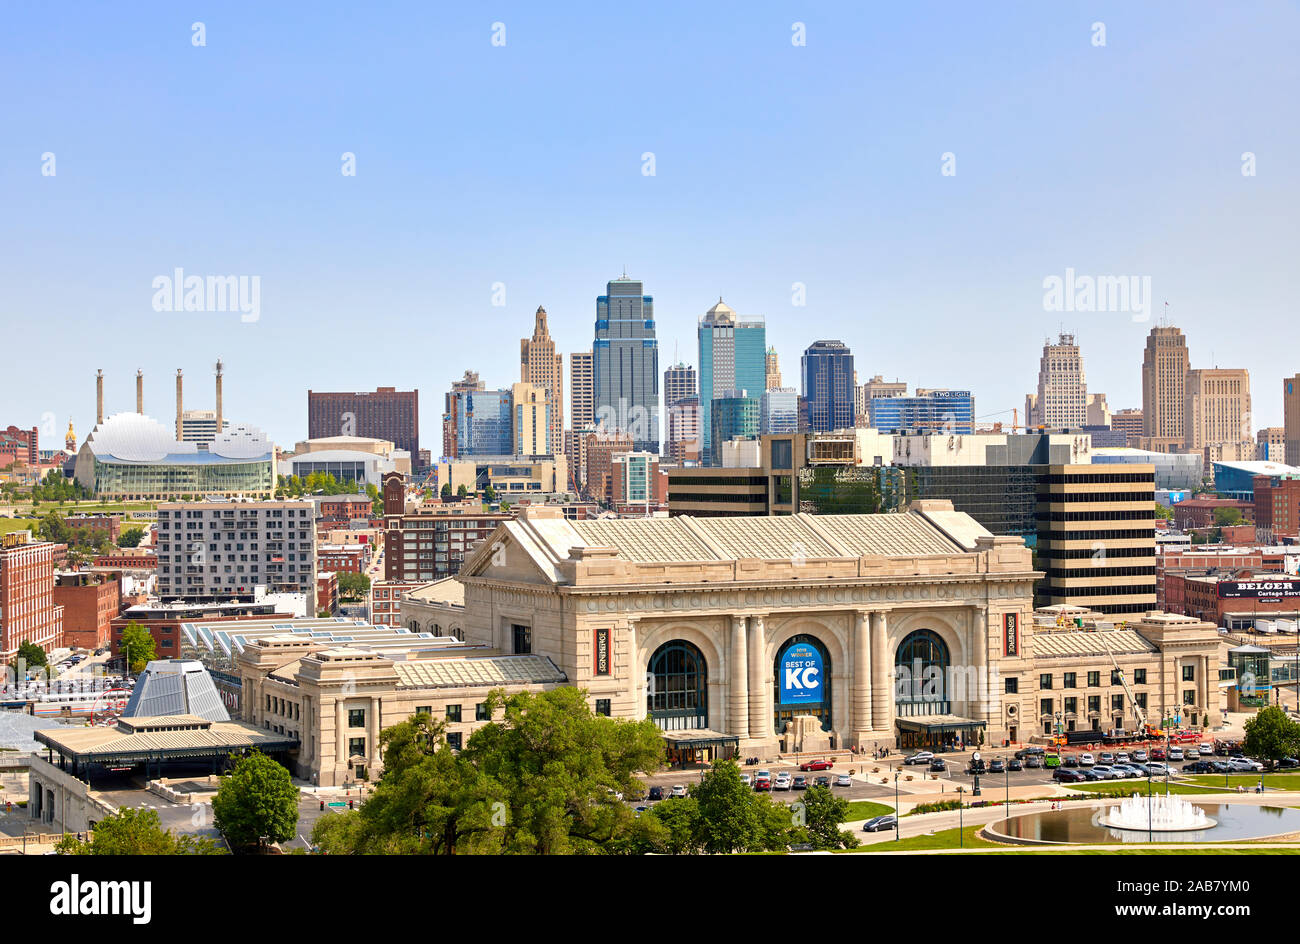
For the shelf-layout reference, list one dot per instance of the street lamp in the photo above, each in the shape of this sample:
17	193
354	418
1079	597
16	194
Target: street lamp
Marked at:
976	764
897	823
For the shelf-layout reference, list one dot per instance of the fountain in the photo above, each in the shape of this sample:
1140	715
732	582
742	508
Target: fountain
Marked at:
1160	813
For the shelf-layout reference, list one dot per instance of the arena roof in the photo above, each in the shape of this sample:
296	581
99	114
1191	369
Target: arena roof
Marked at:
134	740
128	438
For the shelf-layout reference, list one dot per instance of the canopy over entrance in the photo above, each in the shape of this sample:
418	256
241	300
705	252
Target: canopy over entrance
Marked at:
700	746
938	732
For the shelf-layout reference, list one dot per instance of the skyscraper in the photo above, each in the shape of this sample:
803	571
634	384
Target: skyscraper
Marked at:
530	409
1062	401
541	366
733	415
773	370
682	414
828	390
582	412
625	364
778	411
388	413
1217	409
1291	418
733	356
452	405
679	383
1164	389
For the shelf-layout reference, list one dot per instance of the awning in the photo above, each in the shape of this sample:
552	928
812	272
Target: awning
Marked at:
937	724
699	738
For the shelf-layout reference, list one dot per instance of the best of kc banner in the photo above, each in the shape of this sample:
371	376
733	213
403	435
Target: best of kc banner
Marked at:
801	675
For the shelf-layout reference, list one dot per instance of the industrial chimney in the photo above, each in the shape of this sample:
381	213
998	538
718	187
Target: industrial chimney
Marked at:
180	408
218	396
99	397
139	391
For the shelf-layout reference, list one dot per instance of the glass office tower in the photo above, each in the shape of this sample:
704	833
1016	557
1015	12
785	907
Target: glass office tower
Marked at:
733	356
828	387
625	364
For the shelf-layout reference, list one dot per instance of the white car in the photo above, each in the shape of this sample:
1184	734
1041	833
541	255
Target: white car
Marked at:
1121	757
1140	756
1205	750
678	790
843	780
1086	760
746	779
1158	769
782	782
1175	753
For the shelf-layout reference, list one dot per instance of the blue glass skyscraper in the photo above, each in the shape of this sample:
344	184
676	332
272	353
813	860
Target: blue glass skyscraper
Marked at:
828	386
625	364
733	356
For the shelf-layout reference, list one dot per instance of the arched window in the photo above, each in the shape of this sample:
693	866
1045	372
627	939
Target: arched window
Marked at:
678	696
921	675
801	682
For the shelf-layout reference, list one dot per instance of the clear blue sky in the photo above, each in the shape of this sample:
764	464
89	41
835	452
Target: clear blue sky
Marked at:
522	165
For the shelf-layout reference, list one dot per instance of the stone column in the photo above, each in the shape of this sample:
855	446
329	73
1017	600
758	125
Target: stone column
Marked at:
977	642
760	714
372	742
340	737
738	676
861	698
882	675
637	675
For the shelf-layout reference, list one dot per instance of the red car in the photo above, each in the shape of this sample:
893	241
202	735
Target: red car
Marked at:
816	765
1157	753
762	783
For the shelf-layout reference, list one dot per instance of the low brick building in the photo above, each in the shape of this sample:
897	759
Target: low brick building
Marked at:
89	601
1199	512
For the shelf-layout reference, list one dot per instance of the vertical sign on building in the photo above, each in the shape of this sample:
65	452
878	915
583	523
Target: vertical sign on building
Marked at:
801	675
1011	633
601	666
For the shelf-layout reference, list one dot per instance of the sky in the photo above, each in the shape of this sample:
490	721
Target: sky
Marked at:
502	150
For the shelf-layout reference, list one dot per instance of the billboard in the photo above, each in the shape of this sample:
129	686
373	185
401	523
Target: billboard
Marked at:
801	675
1259	589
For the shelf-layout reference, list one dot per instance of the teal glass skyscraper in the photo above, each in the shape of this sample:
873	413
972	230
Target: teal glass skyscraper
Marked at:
625	364
733	356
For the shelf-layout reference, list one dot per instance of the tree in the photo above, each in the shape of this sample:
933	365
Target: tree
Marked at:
1163	512
1227	517
445	494
462	492
130	537
353	586
731	815
678	819
32	655
823	813
135	832
1272	735
256	801
489	494
54	528
138	646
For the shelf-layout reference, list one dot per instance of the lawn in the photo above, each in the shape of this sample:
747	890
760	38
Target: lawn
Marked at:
1248	781
943	839
865	809
1126	788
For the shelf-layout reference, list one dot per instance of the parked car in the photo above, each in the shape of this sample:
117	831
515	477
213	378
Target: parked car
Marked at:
1106	772
657	793
678	790
1245	764
761	783
996	766
1070	761
820	764
800	782
1157	769
822	781
1205	750
1122	757
1050	761
920	757
1106	757
880	823
938	765
1175	753
782	782
1026	752
746	779
1140	756
1064	775
1288	763
1035	762
1086	760
1130	770
1014	764
1199	767
1090	774
843	780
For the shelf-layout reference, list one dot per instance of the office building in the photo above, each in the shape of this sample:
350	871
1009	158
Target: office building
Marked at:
1216	411
511	477
387	413
540	366
598	475
734	415
1276	503
1270	444
877	386
639	485
683	442
484	422
625	364
772	369
1237	479
948	411
89	601
582	412
778	411
531	421
428	541
1062	398
1174	470
19	446
1129	422
828	388
236	550
733	356
28	610
679	383
1291	419
454	405
1164	390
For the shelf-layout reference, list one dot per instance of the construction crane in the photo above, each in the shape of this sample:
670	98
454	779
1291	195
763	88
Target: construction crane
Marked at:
1139	723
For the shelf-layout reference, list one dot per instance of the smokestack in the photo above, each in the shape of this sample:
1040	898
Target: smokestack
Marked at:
99	397
180	408
139	391
218	396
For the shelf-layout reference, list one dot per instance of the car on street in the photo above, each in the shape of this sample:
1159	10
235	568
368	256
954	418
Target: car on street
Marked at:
996	766
1070	761
920	757
1065	775
1014	764
843	780
938	765
820	764
678	790
800	782
1086	760
880	823
657	793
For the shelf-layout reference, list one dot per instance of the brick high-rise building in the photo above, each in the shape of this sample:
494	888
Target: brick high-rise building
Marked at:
1128	422
429	541
1164	389
1277	507
28	612
19	445
388	413
1216	409
682	414
90	602
541	366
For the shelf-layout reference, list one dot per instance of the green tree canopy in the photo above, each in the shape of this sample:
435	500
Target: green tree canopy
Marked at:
353	586
130	537
445	493
1226	517
1272	735
138	645
136	832
257	800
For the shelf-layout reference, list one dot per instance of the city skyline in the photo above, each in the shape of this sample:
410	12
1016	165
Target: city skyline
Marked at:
858	221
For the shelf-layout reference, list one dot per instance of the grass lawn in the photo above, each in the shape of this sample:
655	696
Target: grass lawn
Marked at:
865	809
14	524
1249	781
1129	787
943	839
